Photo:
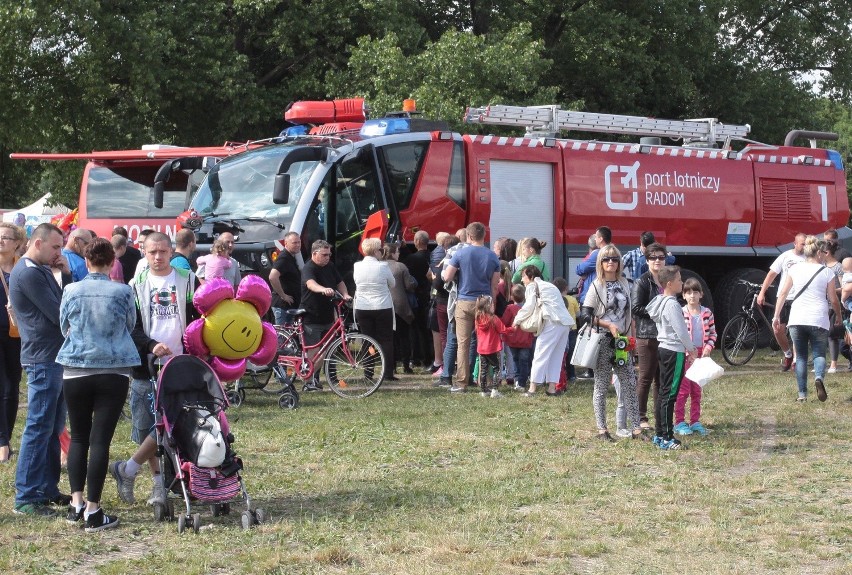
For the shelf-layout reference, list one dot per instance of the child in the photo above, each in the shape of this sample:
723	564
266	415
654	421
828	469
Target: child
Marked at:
519	342
488	345
216	263
846	285
573	307
675	344
702	330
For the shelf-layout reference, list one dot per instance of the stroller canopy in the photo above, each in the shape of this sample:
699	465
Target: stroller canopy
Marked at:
187	380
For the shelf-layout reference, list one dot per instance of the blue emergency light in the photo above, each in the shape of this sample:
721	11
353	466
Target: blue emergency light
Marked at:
385	127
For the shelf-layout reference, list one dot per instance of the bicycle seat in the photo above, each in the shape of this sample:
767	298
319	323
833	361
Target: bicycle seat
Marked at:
293	314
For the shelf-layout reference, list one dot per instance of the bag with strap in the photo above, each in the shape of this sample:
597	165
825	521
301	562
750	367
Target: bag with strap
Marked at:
531	321
588	347
13	323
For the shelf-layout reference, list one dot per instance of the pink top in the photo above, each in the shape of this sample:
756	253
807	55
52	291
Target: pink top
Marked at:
215	265
116	273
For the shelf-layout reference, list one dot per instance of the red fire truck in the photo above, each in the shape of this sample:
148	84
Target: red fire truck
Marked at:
117	186
724	213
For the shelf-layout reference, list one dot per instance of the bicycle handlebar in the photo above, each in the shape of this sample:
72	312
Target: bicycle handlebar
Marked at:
750	285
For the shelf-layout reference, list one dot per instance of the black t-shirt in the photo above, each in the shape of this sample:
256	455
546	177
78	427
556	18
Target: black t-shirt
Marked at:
319	307
128	262
291	279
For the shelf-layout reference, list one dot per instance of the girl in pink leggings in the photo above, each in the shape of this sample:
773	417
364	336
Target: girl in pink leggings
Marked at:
702	329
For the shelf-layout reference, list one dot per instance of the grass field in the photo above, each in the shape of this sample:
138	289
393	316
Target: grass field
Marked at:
416	481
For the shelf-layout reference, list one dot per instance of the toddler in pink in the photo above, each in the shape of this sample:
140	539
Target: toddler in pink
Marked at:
702	330
217	263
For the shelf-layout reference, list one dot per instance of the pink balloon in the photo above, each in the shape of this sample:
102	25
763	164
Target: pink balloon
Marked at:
193	343
268	345
255	290
228	369
211	294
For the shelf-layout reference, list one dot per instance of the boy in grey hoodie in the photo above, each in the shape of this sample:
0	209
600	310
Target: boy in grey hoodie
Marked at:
675	348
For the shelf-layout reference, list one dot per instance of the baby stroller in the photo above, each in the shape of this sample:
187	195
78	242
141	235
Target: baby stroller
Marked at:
261	375
194	444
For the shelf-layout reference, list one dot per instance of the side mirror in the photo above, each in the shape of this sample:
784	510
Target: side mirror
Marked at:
281	191
165	172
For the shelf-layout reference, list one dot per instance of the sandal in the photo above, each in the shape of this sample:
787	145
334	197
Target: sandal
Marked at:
605	436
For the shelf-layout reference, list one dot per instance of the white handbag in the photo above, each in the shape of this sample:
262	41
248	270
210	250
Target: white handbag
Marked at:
587	348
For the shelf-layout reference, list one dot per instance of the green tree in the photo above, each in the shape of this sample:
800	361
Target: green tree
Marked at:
458	70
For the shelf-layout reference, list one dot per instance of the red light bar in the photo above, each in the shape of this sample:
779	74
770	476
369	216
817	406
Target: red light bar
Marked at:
323	112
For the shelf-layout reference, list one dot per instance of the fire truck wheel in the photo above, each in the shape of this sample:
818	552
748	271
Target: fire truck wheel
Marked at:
728	296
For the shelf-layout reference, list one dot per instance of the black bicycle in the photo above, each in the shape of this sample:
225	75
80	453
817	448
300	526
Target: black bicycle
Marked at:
741	336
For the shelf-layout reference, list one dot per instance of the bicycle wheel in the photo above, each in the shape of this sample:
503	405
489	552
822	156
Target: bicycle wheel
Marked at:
354	367
739	340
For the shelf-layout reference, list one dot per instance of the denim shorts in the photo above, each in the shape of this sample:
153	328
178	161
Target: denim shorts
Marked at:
141	410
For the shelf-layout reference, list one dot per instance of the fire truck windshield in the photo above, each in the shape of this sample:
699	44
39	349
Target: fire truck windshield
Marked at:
240	187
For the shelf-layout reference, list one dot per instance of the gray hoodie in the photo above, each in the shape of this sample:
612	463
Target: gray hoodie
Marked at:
671	327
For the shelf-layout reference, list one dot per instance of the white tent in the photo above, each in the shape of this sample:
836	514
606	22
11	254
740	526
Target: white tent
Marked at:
34	214
37	208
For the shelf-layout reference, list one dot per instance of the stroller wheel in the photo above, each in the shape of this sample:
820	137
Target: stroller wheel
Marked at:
259	516
236	398
181	523
226	509
215	510
196	522
160	512
246	519
288	401
170	510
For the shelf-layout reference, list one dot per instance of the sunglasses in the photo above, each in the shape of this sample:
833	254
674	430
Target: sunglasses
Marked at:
656	258
610	260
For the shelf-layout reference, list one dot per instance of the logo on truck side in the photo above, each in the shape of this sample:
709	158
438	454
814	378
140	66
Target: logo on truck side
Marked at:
628	181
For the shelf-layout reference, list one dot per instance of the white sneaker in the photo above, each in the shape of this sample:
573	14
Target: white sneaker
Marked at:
483	393
832	370
496	394
622	432
519	387
158	495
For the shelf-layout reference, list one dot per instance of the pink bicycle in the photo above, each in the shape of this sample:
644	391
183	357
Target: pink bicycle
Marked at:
354	363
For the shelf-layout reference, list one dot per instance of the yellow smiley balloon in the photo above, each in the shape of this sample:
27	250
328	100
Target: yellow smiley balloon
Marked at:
232	329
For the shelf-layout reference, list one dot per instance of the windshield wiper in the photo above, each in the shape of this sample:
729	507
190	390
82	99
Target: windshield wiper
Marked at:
261	220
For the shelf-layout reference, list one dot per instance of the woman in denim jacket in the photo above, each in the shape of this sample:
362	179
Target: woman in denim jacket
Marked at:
96	317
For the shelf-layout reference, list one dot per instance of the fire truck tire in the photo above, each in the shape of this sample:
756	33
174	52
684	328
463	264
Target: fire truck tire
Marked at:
707	298
729	296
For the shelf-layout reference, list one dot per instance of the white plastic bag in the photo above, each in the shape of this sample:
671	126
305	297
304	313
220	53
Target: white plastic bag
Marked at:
704	370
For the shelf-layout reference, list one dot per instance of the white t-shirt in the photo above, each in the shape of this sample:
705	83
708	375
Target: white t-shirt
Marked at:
781	266
165	313
811	308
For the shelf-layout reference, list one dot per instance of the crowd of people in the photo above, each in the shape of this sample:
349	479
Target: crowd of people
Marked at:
89	318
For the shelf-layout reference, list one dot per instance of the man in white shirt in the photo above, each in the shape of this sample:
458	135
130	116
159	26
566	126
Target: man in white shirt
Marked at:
780	267
164	309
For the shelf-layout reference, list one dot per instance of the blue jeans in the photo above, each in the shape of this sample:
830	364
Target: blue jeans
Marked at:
522	358
278	312
451	348
450	351
817	337
37	476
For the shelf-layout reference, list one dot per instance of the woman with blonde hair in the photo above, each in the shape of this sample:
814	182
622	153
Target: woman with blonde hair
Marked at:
373	303
814	286
11	239
607	307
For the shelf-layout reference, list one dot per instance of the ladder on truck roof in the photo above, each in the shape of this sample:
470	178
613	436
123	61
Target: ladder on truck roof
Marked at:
549	120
